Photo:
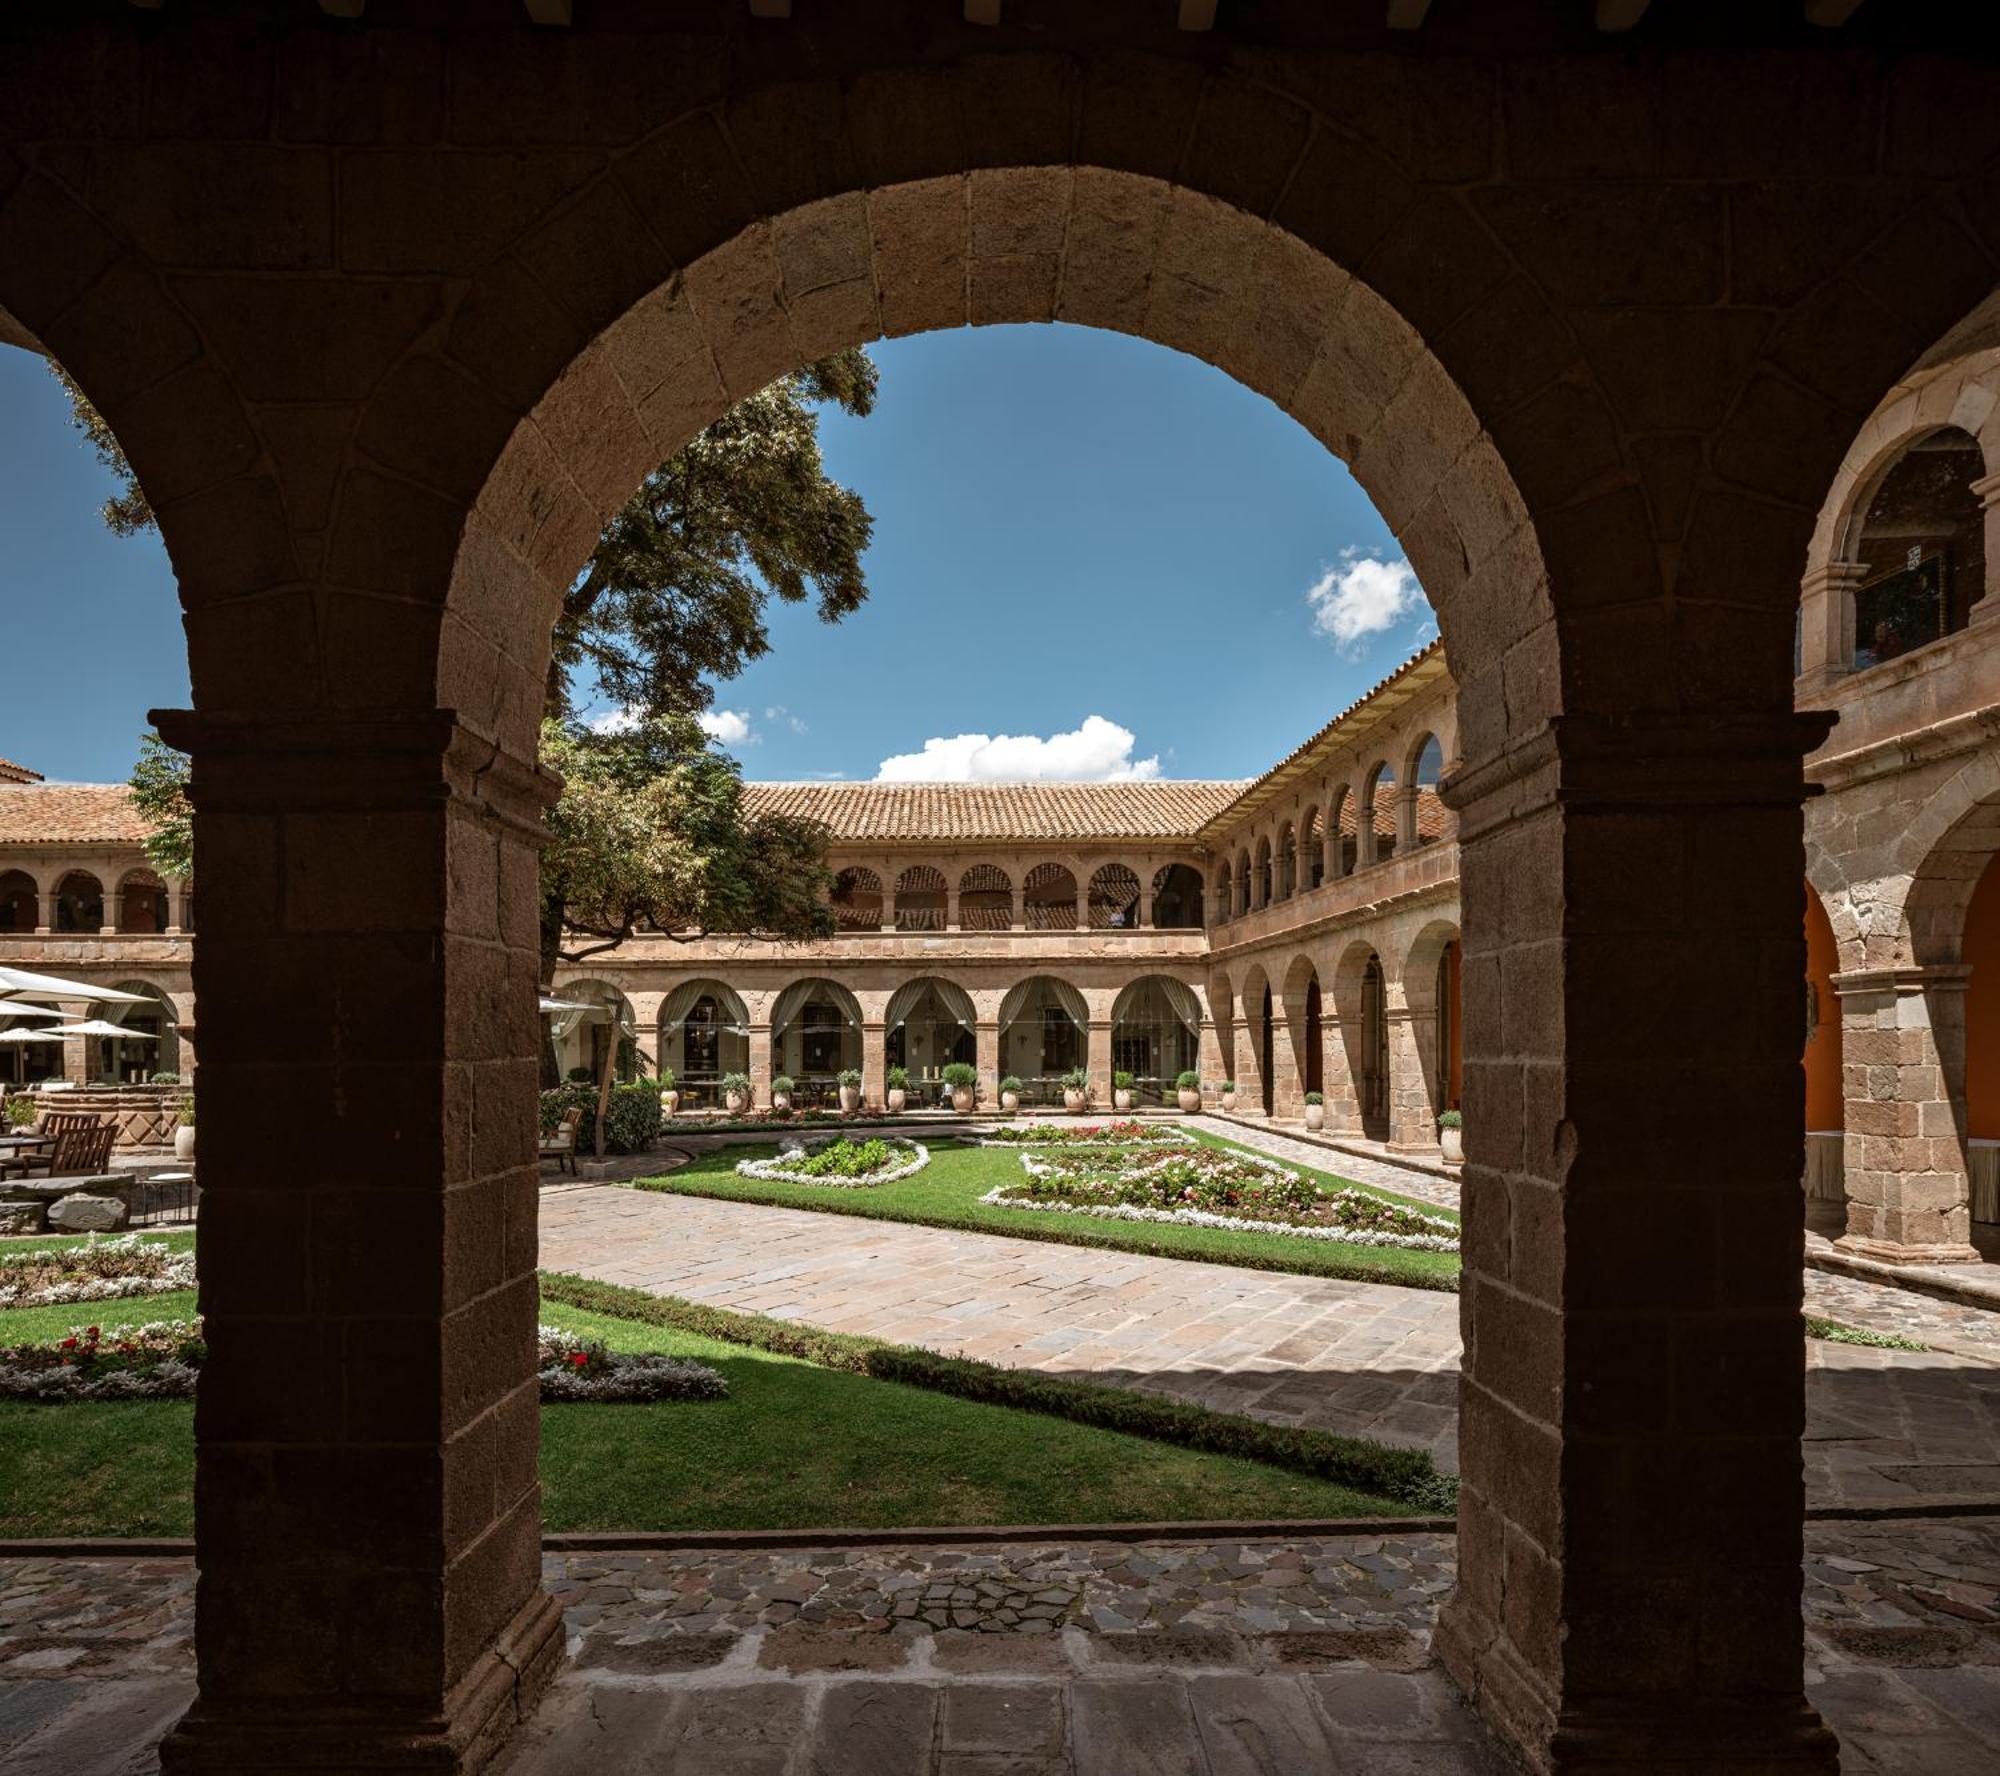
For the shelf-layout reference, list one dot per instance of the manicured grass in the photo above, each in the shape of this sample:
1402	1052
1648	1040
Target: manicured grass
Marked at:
175	1240
794	1446
34	1325
946	1194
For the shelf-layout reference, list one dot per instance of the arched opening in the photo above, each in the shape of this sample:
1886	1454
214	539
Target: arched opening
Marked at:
1362	1004
1177	891
985	899
920	898
1345	831
857	899
1287	862
1315	1068
1312	853
79	903
1378	812
1225	890
928	1026
1430	990
815	1037
1263	877
154	1045
1155	1034
1044	1034
1922	549
20	902
704	1033
1114	898
1305	1044
1242	882
1048	898
1825	1089
1982	1054
580	1039
142	904
1267	1054
1426	768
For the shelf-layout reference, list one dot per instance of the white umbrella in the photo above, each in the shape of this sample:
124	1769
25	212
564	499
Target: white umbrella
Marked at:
551	1006
18	984
32	1035
98	1027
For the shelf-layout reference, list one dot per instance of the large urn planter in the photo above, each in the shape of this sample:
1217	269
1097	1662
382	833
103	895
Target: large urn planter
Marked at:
961	1099
1121	1101
1010	1095
736	1102
896	1099
781	1101
1075	1102
850	1093
184	1143
1451	1137
1315	1112
1190	1102
1229	1096
670	1102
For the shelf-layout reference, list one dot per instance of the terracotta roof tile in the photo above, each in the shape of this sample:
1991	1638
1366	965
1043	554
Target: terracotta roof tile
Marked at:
945	813
13	773
69	814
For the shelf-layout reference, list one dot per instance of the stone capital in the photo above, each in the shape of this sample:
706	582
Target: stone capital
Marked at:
1899	982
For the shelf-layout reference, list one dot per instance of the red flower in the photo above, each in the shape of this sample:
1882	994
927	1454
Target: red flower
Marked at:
578	1359
68	1344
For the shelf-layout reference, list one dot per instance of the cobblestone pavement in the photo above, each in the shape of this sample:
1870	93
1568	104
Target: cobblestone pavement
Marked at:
1878	1307
1349	1356
1213	1659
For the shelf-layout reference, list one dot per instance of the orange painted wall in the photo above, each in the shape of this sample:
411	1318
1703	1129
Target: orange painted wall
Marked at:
1824	1098
1982	1008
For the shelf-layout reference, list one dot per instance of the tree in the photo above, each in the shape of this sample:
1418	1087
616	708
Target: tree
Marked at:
128	511
159	792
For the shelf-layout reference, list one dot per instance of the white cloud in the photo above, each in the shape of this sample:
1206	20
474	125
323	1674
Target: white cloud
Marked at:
778	712
614	721
731	727
1096	751
1363	597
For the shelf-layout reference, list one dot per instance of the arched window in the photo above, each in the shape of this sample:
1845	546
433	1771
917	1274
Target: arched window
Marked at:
1341	824
1242	882
1225	888
920	899
1263	893
1156	1033
1114	898
154	1045
1425	772
857	900
142	904
929	1024
704	1033
1044	1032
80	902
1312	854
1378	810
985	899
815	1037
1287	862
1177	897
1048	898
1922	548
579	1039
20	902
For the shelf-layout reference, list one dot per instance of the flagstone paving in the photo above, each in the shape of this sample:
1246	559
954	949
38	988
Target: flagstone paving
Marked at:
1216	1658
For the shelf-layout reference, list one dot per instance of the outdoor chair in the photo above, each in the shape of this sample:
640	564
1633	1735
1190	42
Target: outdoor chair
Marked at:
77	1150
561	1146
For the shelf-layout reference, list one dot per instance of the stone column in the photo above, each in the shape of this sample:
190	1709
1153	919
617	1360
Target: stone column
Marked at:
1020	915
951	906
1986	608
367	1507
48	911
1632	1395
1826	624
1406	818
1249	1061
1902	1036
760	1069
177	900
77	1050
1146	901
874	1061
1082	904
988	1059
1210	1061
1098	1062
1412	1128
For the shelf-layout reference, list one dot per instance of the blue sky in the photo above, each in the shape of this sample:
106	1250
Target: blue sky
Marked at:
1101	556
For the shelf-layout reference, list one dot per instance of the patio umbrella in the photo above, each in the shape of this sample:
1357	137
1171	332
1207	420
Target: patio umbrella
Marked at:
98	1027
551	1006
20	984
32	1035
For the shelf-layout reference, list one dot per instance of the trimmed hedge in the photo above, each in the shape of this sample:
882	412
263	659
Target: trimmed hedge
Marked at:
1408	1475
632	1117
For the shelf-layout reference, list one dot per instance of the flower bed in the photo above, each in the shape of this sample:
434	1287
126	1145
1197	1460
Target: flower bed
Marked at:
584	1370
97	1270
842	1163
1127	1133
156	1361
1207	1187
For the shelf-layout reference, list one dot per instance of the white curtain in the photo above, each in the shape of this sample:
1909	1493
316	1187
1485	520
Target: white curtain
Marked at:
796	995
1186	1003
1154	999
956	1001
1059	992
684	998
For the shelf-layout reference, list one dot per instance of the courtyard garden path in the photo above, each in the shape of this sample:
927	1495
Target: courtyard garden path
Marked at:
1884	1427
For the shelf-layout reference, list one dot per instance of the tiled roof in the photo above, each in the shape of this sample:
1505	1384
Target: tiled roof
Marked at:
943	813
13	773
68	814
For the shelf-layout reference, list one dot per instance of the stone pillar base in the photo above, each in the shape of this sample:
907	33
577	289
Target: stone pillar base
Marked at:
463	1737
1782	1736
1895	1252
1416	1149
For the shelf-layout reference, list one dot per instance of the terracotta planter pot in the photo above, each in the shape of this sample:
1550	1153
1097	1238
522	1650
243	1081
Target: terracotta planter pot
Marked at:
1190	1102
1121	1100
669	1103
1229	1100
850	1099
1453	1142
736	1102
896	1100
781	1100
1075	1102
961	1098
1010	1102
184	1144
1315	1116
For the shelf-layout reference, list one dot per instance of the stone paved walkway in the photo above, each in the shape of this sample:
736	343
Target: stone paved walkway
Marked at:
1195	1659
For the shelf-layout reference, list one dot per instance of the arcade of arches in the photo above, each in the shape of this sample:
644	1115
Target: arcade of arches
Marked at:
392	305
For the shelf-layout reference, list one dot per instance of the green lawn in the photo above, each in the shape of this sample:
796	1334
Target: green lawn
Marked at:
793	1447
946	1194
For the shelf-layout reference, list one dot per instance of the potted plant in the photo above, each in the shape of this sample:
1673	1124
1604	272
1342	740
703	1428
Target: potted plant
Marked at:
1076	1091
670	1099
1451	1136
1121	1091
1188	1088
899	1090
781	1092
961	1076
849	1079
1229	1094
1010	1094
184	1131
736	1093
1315	1110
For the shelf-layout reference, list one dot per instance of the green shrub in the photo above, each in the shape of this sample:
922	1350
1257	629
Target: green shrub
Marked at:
734	1082
580	1076
1190	1081
632	1118
185	1115
960	1075
783	1086
1076	1080
1229	1085
1451	1119
1315	1097
21	1111
848	1076
666	1079
899	1078
1011	1084
165	1078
